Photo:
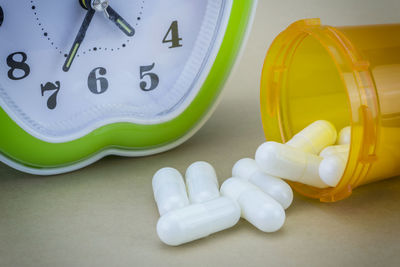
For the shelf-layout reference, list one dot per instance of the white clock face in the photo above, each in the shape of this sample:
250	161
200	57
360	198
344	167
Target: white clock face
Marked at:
150	77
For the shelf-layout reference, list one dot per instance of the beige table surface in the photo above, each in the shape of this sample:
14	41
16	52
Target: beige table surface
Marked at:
104	215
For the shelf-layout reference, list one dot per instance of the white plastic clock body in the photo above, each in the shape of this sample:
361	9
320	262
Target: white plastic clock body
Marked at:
139	78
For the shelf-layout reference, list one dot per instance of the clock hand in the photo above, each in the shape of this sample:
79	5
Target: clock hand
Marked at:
111	14
79	39
119	21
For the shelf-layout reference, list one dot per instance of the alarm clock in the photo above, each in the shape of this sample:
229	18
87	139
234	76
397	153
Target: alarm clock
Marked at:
83	79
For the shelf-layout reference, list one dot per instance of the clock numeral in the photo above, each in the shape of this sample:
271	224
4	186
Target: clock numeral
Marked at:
154	80
20	65
173	34
97	85
52	101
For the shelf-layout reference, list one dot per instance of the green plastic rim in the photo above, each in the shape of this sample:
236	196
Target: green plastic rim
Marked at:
22	149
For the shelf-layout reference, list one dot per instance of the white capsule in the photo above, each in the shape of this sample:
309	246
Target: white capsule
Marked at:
202	182
248	169
344	136
333	166
197	221
245	168
314	137
258	208
289	163
169	190
333	150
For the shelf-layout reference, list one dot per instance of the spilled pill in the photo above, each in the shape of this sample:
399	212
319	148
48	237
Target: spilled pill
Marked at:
197	221
333	164
344	136
258	208
289	163
169	190
256	192
202	182
279	190
314	137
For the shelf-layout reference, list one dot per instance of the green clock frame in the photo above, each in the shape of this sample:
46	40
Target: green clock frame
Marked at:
26	153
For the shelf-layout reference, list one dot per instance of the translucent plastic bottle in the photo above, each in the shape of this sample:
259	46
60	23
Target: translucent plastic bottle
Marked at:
346	75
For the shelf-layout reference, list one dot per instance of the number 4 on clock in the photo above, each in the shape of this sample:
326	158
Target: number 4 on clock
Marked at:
173	35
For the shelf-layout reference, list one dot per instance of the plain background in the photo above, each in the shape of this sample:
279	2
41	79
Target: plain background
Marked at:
105	215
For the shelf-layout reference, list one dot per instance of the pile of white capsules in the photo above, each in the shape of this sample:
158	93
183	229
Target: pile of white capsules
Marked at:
256	192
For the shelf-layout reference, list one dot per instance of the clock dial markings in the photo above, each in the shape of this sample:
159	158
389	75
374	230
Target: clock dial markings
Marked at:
116	79
50	29
98	85
154	79
18	65
111	14
173	33
55	87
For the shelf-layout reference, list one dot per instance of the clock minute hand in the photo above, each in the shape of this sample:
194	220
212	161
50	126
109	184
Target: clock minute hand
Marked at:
79	39
119	21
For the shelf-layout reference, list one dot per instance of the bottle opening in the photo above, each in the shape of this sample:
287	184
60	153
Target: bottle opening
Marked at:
310	74
347	75
313	89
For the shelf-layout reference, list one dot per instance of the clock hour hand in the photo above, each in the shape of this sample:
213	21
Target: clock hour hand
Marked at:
119	21
79	39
